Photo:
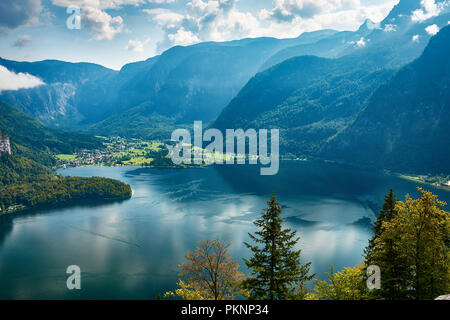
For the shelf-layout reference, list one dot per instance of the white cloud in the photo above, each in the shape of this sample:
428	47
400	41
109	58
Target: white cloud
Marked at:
429	10
183	38
361	43
22	41
320	10
416	38
94	17
288	10
15	81
390	28
432	30
204	21
14	14
221	20
135	46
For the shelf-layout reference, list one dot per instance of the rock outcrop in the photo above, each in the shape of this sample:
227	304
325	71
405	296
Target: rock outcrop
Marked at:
5	146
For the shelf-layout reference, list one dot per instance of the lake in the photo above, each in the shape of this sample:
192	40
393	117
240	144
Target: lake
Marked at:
132	249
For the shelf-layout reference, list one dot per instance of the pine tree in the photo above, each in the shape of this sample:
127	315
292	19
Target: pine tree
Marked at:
386	214
276	267
393	266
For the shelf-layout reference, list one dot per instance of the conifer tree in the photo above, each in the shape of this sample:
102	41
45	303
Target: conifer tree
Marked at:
276	267
386	214
388	258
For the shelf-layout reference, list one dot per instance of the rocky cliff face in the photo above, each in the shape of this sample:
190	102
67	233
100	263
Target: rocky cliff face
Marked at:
5	146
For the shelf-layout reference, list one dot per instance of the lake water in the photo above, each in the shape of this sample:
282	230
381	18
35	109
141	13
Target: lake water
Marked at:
131	249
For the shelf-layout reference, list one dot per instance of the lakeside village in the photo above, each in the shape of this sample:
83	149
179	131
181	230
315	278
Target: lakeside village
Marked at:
120	151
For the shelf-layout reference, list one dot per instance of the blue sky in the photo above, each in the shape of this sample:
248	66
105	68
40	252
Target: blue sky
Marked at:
115	32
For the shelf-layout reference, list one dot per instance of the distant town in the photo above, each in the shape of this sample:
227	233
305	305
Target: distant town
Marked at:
119	151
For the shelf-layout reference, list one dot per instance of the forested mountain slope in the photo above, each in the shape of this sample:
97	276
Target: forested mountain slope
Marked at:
405	125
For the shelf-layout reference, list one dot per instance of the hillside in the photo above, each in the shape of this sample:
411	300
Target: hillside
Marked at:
150	98
74	93
15	168
29	136
309	99
26	179
334	46
405	125
313	99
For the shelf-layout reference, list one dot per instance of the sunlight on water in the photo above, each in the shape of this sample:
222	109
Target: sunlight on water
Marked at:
132	249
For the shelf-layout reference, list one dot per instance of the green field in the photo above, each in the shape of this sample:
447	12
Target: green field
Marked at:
66	156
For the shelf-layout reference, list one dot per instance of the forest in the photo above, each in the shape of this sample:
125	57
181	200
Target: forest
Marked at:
61	190
25	183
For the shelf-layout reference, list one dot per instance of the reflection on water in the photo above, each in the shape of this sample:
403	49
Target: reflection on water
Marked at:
132	249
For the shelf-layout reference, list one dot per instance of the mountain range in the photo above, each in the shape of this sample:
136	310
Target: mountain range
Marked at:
192	82
328	92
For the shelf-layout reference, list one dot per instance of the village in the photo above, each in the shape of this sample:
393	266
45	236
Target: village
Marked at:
118	151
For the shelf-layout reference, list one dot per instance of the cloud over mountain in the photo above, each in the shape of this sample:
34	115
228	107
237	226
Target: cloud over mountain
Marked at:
429	10
432	30
222	20
15	81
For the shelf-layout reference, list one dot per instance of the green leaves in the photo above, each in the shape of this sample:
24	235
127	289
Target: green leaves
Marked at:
411	248
276	267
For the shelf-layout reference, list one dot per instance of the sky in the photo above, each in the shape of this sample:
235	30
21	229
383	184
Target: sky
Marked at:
115	32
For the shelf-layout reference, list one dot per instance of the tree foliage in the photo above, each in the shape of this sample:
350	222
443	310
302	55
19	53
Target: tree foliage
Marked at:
210	274
348	284
419	235
60	190
394	269
276	267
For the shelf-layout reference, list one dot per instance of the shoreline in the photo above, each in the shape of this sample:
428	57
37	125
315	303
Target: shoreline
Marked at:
419	179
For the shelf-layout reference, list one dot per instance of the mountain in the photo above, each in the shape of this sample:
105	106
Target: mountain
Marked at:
390	40
334	46
150	98
73	93
190	83
309	99
399	40
405	125
30	138
195	81
312	99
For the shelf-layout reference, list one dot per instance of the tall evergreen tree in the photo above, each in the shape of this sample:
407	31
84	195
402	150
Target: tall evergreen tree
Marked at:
393	266
276	266
386	214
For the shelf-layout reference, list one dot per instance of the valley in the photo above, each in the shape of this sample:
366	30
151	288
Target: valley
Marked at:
91	172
